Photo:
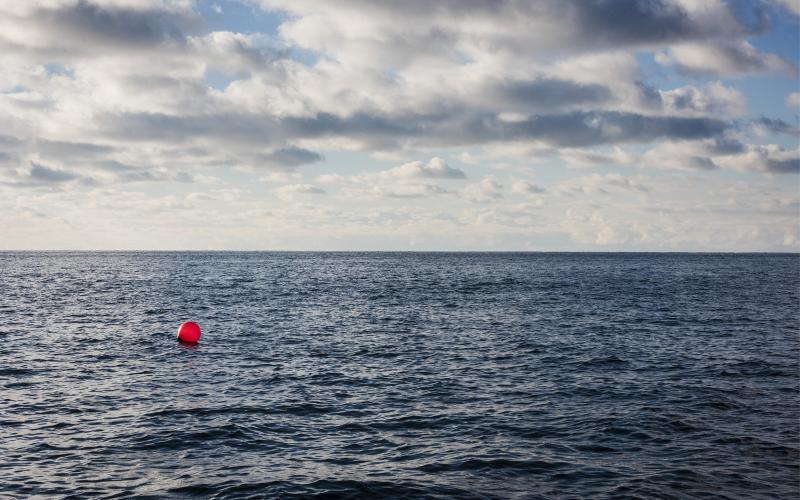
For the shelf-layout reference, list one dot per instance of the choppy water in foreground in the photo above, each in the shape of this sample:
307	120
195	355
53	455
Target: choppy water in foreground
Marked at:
400	375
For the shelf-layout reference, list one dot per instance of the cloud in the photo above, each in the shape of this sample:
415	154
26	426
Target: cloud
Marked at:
102	98
694	156
404	181
775	126
726	153
66	149
293	190
375	87
290	157
770	158
729	58
408	191
590	158
525	187
516	26
111	24
715	100
594	128
579	128
332	179
600	184
793	100
720	146
598	229
484	191
436	168
123	172
468	158
545	94
41	173
71	29
281	177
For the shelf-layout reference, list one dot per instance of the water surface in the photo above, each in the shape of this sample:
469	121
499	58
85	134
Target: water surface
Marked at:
400	375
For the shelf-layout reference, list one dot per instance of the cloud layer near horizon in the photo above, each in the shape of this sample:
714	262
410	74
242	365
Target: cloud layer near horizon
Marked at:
351	109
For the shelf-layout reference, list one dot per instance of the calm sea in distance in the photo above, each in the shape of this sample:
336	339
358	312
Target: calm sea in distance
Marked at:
410	375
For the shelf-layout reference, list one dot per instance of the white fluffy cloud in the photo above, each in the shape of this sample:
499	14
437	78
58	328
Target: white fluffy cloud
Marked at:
486	190
435	168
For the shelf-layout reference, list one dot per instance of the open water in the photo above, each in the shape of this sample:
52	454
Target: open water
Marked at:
400	375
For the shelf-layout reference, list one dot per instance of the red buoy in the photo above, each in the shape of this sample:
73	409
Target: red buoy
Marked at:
189	332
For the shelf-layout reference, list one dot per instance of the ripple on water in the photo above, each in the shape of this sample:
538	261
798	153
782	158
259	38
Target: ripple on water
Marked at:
400	375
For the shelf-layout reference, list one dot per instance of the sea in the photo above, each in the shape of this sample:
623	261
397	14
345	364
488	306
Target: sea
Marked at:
400	375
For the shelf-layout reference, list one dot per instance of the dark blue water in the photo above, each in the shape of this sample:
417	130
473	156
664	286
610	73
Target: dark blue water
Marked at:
400	375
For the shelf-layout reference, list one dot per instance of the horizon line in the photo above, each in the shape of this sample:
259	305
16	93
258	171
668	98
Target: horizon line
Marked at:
737	252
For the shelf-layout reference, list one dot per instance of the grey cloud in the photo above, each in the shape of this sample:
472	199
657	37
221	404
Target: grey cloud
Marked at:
115	166
291	157
548	93
44	174
776	126
129	173
148	82
594	128
164	127
360	125
66	32
684	101
713	99
788	166
182	177
648	95
623	22
58	150
769	158
115	25
64	149
237	129
9	140
581	128
82	161
701	163
23	100
725	146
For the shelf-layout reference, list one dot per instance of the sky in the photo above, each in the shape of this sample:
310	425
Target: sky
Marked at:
453	125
